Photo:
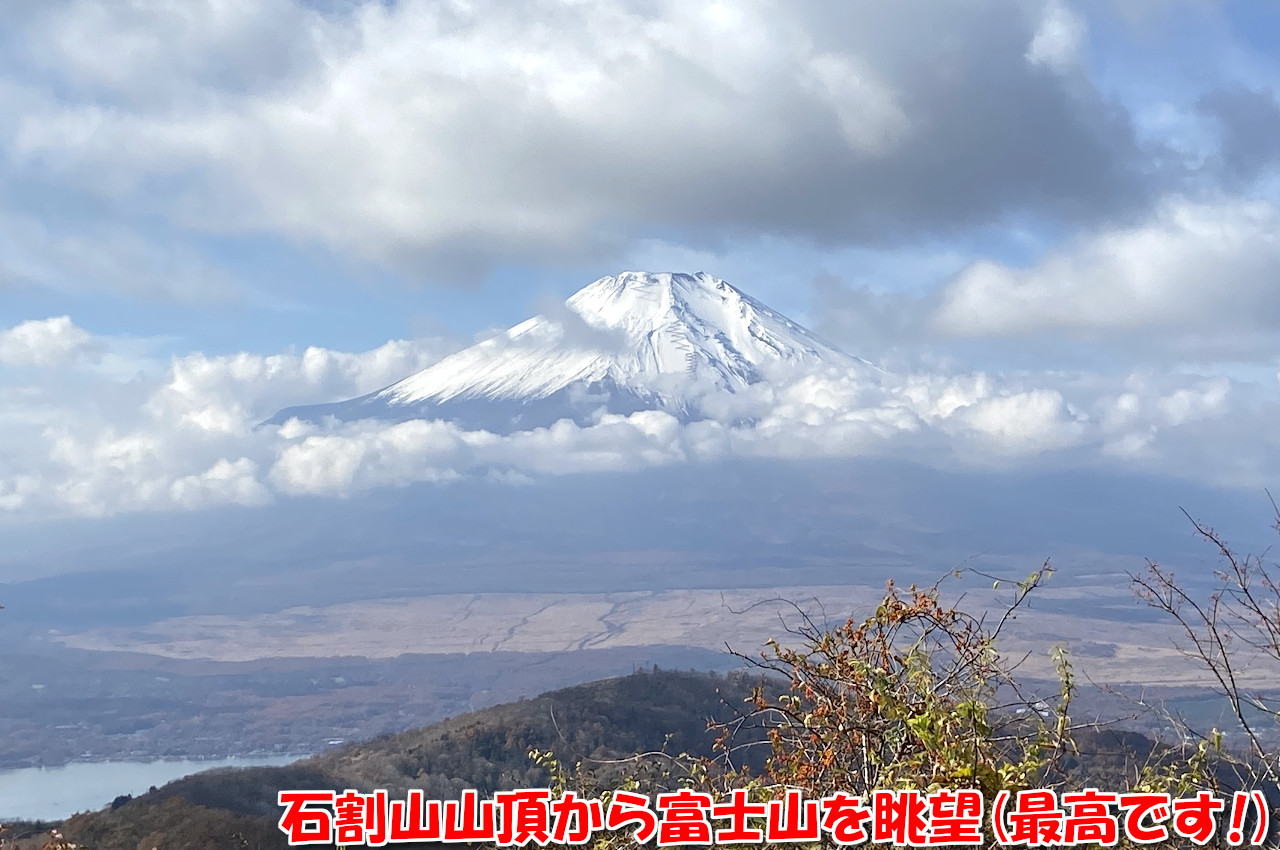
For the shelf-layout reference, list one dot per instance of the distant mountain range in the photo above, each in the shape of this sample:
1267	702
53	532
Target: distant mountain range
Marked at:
631	342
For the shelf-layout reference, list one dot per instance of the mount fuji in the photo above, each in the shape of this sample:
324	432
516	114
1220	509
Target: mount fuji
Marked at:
626	343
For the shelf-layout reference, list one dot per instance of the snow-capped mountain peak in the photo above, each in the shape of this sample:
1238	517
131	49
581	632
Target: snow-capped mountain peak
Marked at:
628	342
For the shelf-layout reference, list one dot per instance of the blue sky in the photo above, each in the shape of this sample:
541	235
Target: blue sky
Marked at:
1065	209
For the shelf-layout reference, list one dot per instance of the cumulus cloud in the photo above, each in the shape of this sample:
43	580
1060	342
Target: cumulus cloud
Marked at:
101	442
48	342
183	437
1203	267
226	482
230	394
453	137
952	419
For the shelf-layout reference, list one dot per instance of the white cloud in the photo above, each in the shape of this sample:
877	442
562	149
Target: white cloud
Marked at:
226	482
1210	268
160	50
17	490
462	135
953	421
1033	422
1059	39
183	437
179	437
48	342
231	394
368	456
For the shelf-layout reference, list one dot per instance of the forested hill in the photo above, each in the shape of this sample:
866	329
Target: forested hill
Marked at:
487	750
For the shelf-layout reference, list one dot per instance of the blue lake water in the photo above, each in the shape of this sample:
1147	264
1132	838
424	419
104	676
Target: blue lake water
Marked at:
52	793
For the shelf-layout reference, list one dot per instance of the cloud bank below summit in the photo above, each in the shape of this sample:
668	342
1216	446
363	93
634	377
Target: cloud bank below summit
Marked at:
1085	194
80	438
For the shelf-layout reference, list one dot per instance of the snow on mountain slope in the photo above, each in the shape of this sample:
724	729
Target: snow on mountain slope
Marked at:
630	342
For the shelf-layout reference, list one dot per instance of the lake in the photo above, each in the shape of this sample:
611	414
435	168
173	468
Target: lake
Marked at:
52	793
